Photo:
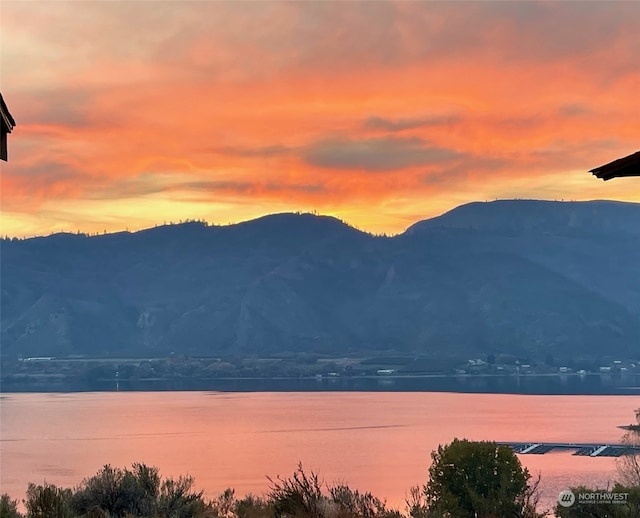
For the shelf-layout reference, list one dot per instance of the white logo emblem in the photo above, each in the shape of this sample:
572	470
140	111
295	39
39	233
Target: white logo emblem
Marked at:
566	498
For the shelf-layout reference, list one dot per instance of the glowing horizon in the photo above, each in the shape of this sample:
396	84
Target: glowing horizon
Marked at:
381	114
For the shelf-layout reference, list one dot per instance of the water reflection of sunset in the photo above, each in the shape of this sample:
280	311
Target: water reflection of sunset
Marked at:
379	442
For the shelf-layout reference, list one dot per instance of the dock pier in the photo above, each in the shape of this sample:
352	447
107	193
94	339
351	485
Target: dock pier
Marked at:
582	449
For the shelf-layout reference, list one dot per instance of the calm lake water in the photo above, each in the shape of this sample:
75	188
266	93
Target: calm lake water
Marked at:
374	441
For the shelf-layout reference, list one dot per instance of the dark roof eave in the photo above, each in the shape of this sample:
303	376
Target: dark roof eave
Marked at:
7	119
622	167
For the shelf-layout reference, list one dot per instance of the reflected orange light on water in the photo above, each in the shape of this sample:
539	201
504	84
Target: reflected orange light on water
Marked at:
378	442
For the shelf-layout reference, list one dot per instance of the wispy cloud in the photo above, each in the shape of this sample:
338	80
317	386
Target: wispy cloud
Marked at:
402	124
381	154
254	152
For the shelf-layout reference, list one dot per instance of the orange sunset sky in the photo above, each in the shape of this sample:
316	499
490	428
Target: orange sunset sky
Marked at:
133	113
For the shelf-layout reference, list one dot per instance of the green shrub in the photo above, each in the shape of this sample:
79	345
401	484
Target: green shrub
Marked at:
224	505
468	479
254	507
298	495
138	492
101	491
48	501
178	499
8	507
352	503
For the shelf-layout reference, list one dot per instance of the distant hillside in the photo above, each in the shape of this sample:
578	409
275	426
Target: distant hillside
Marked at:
536	216
525	277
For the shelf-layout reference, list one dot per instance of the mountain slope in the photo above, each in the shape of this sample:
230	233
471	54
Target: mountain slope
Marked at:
523	277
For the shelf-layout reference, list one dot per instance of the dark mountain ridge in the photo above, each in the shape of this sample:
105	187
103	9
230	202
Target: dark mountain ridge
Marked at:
516	276
532	216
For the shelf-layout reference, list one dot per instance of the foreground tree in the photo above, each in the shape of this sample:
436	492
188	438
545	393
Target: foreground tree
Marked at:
139	491
8	507
298	495
302	495
48	501
629	465
119	491
178	499
479	479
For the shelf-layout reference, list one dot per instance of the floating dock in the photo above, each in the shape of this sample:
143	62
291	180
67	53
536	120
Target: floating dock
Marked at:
582	449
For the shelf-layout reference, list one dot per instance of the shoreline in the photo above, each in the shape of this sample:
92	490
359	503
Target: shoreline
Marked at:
488	383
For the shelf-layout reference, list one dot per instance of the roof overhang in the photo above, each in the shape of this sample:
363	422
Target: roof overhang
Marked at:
6	126
626	166
5	117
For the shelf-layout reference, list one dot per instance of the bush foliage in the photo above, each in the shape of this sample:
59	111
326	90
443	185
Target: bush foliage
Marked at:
140	492
466	479
469	479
